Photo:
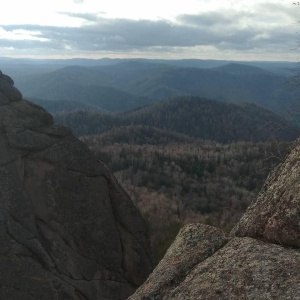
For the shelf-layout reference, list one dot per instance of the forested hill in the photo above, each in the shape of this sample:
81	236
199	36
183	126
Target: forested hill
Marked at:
192	116
141	135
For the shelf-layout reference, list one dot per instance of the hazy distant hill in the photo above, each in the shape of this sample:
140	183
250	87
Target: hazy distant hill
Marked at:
63	105
192	116
278	66
133	83
240	69
80	84
232	83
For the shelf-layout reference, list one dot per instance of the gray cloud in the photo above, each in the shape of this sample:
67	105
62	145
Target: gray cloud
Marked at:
85	16
27	44
223	30
214	18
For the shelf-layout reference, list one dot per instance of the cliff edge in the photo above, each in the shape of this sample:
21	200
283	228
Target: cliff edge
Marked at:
67	229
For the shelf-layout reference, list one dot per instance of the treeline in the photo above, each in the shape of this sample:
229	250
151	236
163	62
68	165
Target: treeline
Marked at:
174	183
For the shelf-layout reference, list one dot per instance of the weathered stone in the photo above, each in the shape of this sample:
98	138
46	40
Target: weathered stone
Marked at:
193	244
7	79
56	130
8	154
275	215
24	278
9	90
19	116
244	269
67	229
258	262
3	99
29	140
24	124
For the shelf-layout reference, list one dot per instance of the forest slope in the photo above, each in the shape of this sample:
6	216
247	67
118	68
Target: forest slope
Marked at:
162	156
175	180
192	116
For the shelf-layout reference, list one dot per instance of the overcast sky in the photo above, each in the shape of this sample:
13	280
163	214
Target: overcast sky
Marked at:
169	29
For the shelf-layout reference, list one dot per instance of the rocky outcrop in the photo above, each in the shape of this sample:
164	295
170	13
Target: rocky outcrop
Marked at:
275	215
67	229
193	244
259	260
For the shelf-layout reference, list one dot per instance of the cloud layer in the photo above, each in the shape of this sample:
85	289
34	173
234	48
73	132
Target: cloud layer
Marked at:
266	30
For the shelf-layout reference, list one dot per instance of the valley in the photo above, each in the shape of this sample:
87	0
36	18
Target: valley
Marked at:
175	180
189	141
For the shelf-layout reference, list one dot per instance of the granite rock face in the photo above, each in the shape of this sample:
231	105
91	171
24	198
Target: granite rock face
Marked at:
193	244
259	260
275	215
67	228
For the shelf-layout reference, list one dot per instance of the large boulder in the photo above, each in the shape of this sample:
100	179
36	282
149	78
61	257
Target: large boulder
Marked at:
259	260
67	228
243	269
275	215
193	244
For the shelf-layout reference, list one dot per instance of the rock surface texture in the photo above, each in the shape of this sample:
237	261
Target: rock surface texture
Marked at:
67	229
260	259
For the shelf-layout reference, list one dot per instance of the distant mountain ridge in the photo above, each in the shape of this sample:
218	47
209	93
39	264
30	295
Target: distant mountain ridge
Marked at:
236	68
199	63
53	106
80	84
131	84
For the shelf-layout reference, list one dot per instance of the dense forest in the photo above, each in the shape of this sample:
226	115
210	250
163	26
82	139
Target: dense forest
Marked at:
193	116
175	180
